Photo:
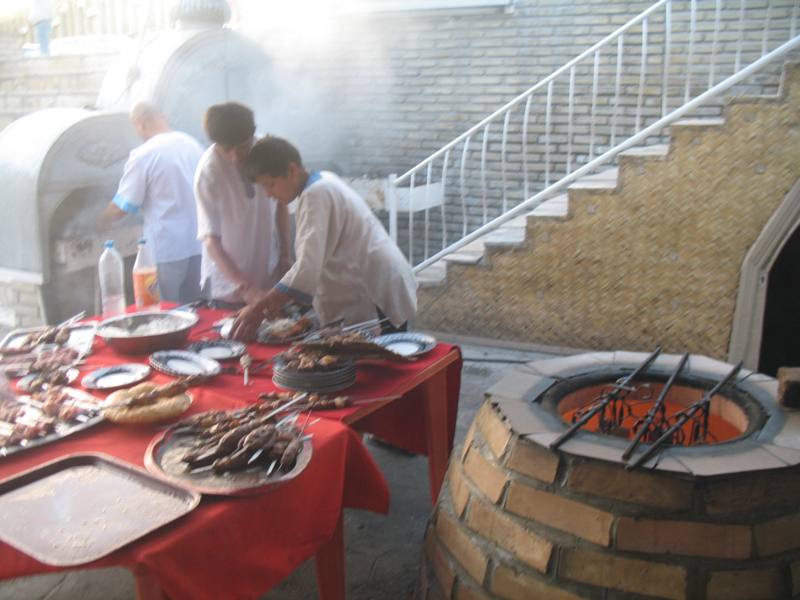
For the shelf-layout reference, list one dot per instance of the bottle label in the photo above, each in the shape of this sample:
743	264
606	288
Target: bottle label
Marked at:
145	288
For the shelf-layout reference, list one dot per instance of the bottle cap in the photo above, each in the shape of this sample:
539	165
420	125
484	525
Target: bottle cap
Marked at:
109	244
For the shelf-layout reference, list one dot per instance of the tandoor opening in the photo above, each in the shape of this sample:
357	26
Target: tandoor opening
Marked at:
781	329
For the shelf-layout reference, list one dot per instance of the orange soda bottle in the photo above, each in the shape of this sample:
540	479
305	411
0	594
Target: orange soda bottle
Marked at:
145	279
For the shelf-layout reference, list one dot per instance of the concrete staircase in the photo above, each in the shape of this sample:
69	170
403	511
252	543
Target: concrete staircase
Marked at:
28	84
643	253
515	233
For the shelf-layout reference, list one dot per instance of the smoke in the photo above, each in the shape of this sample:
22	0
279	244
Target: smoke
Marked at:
323	58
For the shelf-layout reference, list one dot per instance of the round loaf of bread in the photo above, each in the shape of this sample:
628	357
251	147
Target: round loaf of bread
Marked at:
162	409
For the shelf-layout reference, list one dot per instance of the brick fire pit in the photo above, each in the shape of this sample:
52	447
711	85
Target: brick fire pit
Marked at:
519	520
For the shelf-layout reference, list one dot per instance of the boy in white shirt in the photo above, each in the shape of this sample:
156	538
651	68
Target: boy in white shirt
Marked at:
347	266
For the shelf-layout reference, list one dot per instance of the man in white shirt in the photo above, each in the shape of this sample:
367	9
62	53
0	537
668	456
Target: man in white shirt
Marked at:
245	233
347	265
157	180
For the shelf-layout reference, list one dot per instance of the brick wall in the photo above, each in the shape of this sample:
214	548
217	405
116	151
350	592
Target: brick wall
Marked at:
380	92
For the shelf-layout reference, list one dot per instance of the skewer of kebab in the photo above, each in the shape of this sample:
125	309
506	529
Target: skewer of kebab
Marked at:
234	447
150	396
275	400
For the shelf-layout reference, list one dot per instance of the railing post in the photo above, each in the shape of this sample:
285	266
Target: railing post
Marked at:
391	206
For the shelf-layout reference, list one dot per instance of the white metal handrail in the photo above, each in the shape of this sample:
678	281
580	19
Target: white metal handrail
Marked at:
485	185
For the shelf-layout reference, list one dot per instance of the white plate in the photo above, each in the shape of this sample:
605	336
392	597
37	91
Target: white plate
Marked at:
218	349
407	343
115	377
180	363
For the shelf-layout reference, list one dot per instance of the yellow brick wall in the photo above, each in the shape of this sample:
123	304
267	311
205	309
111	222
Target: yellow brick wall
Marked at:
656	261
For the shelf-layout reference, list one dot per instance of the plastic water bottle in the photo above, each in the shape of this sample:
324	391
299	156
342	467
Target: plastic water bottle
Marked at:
145	279
112	281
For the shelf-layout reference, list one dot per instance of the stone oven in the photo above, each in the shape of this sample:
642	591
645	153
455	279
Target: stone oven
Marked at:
59	168
520	519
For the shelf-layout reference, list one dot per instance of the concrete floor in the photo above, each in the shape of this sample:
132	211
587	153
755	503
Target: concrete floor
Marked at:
383	552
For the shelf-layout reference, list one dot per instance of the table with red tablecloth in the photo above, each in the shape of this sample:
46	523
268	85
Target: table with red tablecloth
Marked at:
240	547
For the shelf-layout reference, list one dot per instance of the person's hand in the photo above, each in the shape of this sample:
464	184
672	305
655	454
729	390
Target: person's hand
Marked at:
246	324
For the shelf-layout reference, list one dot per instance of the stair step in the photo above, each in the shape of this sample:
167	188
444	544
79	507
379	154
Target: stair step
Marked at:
465	257
657	150
433	275
555	207
506	237
710	122
605	180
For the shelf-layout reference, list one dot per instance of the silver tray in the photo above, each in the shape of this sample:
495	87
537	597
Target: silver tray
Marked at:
115	377
163	458
81	337
62	428
24	384
180	363
218	349
407	343
84	507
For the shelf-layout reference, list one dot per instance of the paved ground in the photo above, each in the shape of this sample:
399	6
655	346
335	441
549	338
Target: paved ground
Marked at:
383	552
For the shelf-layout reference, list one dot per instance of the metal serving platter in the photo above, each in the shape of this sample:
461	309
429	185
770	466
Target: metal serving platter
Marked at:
85	506
180	363
407	343
24	384
264	334
115	377
81	337
163	458
62	428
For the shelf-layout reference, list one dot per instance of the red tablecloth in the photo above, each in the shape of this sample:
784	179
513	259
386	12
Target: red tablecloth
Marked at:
227	547
398	422
239	548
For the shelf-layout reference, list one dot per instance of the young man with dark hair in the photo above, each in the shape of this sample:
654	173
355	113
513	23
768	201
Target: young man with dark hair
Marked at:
347	266
245	233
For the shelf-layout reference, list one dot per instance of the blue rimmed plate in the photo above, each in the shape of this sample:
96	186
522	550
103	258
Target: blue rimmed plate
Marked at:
115	377
407	343
218	349
180	363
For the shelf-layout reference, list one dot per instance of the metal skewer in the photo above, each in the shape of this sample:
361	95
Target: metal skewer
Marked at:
684	416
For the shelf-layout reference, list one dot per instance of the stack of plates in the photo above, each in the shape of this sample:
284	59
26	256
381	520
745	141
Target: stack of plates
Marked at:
322	382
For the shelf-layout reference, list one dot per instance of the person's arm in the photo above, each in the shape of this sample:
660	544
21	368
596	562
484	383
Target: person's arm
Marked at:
283	224
269	306
224	262
131	192
111	214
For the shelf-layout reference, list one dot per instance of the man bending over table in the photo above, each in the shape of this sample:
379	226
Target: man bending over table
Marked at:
346	264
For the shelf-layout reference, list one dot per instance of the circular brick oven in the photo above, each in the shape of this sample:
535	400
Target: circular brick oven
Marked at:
519	520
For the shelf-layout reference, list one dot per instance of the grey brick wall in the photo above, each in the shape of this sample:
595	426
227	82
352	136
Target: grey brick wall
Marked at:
385	90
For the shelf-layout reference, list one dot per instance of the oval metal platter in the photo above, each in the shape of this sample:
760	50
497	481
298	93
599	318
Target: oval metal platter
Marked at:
163	458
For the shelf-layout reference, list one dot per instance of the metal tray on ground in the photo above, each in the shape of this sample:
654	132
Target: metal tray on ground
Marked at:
163	458
81	337
82	507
